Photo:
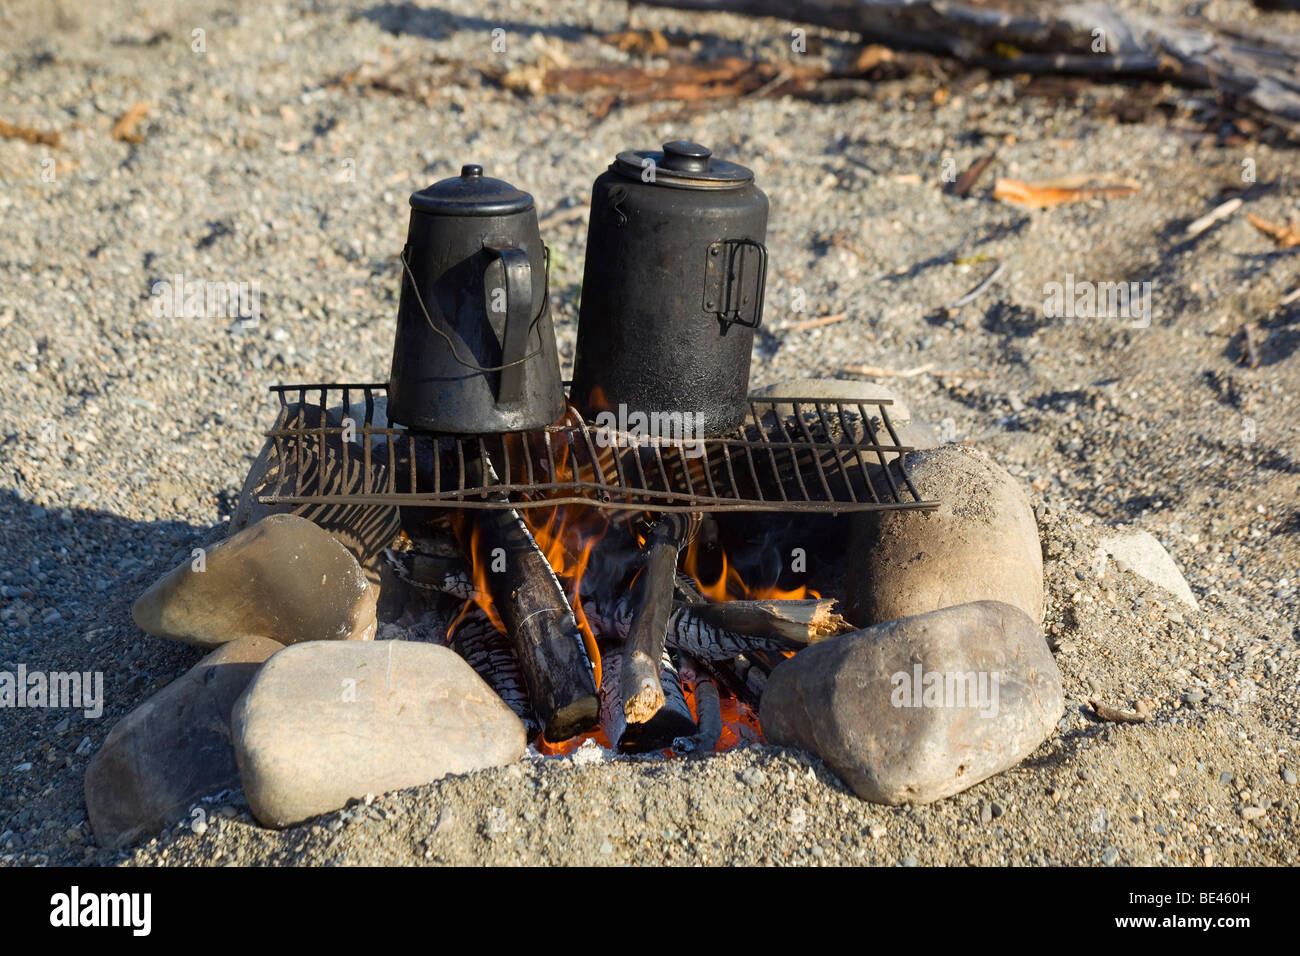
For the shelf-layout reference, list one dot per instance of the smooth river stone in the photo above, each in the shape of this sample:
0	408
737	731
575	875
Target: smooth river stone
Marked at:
172	750
326	722
857	703
283	578
980	544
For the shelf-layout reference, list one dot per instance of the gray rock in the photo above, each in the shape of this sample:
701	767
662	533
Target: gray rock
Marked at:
173	749
284	578
850	701
1140	553
980	544
1289	777
326	722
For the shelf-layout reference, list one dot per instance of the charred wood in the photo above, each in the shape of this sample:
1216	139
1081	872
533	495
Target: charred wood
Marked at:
488	651
669	722
647	632
539	623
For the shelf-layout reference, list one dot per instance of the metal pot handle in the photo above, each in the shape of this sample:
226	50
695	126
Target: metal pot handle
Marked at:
735	280
519	310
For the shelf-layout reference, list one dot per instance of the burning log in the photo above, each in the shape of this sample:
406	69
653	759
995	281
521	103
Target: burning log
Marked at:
538	621
647	631
708	709
671	721
430	570
800	622
704	630
487	650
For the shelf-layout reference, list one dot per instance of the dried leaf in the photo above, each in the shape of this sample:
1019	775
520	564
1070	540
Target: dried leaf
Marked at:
872	56
640	42
125	127
967	180
1115	715
1287	237
1066	189
39	137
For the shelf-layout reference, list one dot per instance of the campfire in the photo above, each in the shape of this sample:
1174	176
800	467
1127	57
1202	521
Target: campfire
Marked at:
583	573
425	576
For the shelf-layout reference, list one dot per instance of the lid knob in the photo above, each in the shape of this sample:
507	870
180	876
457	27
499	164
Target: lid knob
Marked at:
471	171
686	157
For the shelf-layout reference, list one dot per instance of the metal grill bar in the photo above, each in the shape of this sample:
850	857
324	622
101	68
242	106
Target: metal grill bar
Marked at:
791	454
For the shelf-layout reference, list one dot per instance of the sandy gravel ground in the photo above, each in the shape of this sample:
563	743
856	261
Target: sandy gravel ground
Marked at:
127	434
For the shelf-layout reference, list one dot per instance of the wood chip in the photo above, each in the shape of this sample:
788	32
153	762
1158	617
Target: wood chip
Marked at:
640	42
1223	211
1066	189
1285	236
36	136
814	323
1249	350
1115	715
877	372
124	130
871	57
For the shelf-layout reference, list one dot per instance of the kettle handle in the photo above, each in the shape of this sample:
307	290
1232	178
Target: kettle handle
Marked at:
519	309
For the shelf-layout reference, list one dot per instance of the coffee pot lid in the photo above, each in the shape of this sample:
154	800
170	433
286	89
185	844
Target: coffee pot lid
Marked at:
471	194
682	164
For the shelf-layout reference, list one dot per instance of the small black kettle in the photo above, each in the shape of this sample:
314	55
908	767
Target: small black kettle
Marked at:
475	348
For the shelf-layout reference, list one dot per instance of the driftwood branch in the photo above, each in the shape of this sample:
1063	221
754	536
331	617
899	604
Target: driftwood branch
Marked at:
1045	37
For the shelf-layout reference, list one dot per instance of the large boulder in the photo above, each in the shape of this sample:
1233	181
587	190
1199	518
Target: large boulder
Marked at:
980	544
172	750
327	722
283	578
920	708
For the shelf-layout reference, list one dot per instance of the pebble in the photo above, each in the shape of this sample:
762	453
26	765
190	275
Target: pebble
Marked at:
753	777
1289	777
1109	856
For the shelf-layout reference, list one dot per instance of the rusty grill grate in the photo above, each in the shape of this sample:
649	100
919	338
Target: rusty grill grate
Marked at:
334	446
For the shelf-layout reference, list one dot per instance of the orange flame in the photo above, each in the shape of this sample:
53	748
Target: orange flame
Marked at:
730	586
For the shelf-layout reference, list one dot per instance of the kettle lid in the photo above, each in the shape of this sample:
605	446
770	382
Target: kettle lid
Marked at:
682	164
471	194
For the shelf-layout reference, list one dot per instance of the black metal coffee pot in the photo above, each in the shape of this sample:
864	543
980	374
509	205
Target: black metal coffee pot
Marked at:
475	349
673	287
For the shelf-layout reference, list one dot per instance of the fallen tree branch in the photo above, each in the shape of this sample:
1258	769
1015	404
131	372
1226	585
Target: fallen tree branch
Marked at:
1262	71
